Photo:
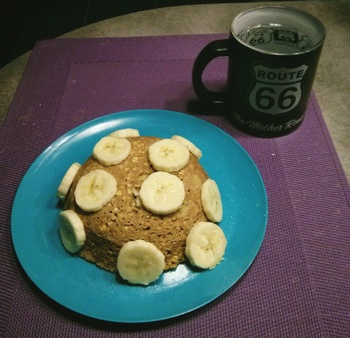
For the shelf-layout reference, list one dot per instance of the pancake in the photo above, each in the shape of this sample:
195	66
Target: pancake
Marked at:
125	219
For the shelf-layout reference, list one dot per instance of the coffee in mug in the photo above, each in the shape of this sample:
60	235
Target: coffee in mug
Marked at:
273	54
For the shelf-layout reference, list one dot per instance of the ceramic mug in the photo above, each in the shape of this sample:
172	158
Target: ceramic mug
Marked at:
273	52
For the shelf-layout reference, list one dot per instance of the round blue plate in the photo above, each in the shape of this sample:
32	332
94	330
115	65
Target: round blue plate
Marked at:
88	290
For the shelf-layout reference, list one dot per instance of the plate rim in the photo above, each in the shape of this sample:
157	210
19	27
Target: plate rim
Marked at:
118	115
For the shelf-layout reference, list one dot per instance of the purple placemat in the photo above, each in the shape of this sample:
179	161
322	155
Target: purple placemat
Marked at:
299	283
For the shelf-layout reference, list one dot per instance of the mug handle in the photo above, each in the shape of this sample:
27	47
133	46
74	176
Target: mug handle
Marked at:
208	53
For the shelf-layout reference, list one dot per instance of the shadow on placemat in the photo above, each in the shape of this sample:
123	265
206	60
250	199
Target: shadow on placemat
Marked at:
200	108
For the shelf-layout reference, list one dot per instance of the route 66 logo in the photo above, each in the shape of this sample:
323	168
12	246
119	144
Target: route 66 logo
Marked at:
257	36
276	90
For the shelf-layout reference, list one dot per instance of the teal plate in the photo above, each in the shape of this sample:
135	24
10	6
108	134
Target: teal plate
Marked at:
91	291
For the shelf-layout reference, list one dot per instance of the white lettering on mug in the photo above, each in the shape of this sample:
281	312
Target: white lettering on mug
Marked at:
258	126
264	127
293	123
276	90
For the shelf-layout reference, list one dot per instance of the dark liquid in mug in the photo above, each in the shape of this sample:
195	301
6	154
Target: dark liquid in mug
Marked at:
276	39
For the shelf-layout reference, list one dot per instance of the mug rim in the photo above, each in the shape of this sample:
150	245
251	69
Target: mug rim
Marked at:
310	17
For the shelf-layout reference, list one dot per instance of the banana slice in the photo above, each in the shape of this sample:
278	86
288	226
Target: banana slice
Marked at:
127	132
205	245
95	189
190	146
168	155
140	262
67	180
211	200
111	150
71	231
162	193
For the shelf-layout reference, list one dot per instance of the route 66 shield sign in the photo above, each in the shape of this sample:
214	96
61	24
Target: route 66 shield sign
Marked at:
257	36
276	90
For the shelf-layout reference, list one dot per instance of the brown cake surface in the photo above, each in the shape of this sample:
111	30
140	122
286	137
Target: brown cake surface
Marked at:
124	218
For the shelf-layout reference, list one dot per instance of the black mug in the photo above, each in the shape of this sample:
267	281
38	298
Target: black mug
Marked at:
273	54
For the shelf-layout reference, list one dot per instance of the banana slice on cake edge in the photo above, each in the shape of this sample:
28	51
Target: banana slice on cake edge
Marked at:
190	146
67	180
168	155
72	232
94	190
162	193
140	262
211	200
205	245
126	132
111	150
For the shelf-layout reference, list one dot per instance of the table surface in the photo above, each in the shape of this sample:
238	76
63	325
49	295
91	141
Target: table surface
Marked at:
332	83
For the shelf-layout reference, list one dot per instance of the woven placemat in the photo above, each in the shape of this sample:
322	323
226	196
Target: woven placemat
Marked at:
299	283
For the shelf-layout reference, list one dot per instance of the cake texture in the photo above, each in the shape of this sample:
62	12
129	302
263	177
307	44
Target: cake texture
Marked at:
124	218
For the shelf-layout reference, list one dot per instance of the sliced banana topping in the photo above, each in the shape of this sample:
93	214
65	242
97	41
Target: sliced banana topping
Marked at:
168	155
140	262
211	200
190	146
95	189
205	245
111	150
71	231
127	132
67	180
162	193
